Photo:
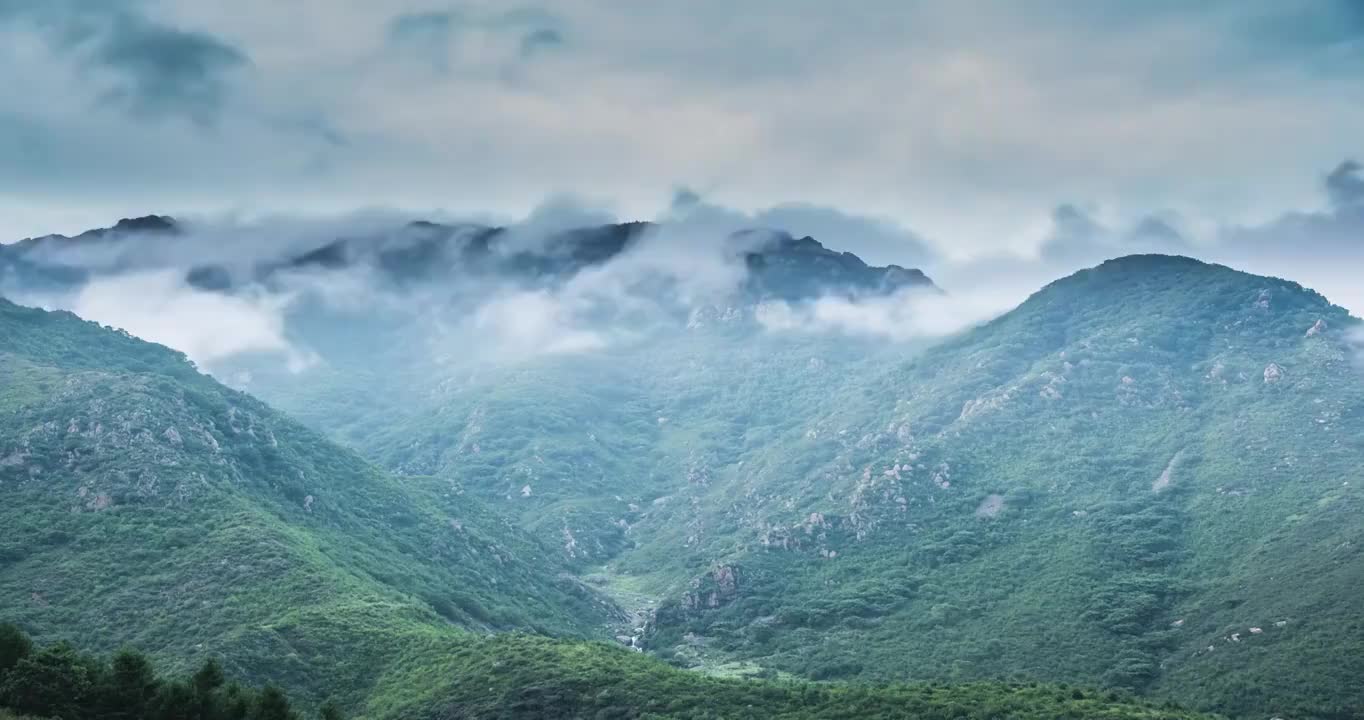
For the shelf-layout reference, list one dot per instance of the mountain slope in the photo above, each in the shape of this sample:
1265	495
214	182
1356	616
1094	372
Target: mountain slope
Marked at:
1113	483
1096	487
144	503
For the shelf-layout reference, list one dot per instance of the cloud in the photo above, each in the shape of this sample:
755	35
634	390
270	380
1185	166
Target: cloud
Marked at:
1077	237
692	257
533	323
540	40
1345	187
878	241
904	316
465	40
424	35
1323	249
208	327
959	122
139	62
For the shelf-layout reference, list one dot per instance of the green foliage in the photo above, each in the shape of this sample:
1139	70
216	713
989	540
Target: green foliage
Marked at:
986	508
61	683
519	676
1110	486
145	504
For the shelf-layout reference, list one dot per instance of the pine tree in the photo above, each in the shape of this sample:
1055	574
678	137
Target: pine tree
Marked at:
130	687
272	705
329	711
14	646
208	678
175	701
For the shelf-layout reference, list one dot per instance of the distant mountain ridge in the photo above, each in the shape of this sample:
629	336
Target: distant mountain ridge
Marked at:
779	265
1145	477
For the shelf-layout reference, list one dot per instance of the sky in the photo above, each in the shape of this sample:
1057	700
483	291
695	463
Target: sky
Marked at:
940	134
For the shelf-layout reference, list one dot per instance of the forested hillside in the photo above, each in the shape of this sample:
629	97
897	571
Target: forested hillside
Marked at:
1145	478
145	503
1112	484
511	677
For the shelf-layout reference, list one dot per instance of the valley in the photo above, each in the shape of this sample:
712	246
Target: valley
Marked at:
1144	478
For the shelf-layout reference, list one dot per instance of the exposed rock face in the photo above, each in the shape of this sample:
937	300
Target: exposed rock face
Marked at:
1316	329
713	589
1168	475
991	506
1273	373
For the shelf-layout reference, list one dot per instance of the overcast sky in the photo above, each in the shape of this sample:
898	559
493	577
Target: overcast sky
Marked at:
970	125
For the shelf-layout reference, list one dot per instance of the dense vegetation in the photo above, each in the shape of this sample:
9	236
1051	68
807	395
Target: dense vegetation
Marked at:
145	504
519	676
1146	478
60	682
992	507
513	676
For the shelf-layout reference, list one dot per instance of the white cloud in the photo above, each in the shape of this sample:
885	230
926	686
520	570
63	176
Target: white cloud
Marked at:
527	324
208	327
913	314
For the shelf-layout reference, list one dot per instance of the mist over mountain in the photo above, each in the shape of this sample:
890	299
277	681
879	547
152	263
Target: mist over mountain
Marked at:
747	452
461	360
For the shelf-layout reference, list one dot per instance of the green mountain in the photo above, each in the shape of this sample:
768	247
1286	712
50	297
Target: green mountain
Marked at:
145	504
1146	476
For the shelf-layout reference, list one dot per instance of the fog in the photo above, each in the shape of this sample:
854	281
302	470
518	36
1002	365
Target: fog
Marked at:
692	257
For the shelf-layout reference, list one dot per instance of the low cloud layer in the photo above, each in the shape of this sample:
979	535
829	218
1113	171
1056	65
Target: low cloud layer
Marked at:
208	327
691	259
901	317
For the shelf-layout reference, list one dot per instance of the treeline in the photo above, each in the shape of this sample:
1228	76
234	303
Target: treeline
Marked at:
60	682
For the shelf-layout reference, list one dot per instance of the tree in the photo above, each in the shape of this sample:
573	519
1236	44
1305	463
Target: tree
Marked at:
130	687
54	682
175	701
208	678
206	682
14	646
272	705
329	711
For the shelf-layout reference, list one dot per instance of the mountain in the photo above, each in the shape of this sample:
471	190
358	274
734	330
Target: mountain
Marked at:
146	504
778	264
1146	476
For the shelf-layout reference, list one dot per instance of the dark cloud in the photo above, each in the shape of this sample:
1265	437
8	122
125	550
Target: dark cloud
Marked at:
540	40
168	70
1337	229
1077	237
431	34
1345	187
877	241
425	35
421	25
156	68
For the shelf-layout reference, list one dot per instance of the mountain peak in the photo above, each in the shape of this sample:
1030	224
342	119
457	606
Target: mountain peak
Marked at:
146	223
